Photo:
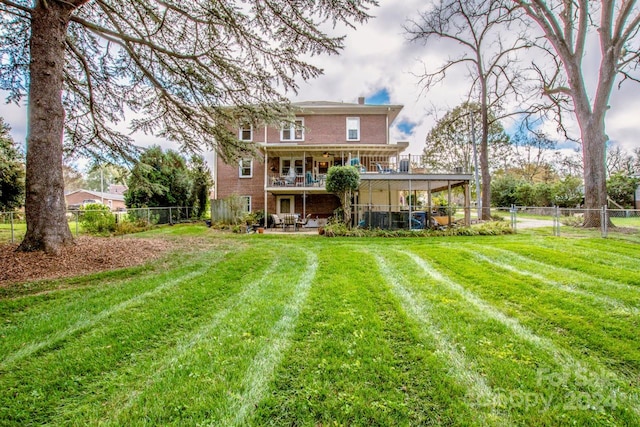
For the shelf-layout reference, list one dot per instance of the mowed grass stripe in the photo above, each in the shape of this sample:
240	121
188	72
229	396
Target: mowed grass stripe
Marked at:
192	382
509	365
480	395
355	358
604	381
76	370
620	255
260	373
46	322
519	268
576	261
163	365
617	293
578	323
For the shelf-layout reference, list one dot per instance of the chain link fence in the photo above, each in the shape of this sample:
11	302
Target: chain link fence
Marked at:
556	218
13	224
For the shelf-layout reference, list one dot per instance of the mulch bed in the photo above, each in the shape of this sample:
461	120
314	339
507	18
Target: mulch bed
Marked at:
87	255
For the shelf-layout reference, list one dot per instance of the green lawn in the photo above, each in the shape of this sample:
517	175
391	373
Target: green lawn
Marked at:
303	330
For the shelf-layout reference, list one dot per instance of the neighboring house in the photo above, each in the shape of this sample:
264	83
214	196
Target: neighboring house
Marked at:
117	189
78	197
288	174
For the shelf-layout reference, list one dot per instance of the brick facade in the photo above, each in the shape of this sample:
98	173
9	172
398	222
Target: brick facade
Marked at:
229	182
325	125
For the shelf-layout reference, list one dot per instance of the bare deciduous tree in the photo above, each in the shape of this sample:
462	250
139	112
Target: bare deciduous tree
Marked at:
619	161
85	63
531	155
488	49
448	144
566	26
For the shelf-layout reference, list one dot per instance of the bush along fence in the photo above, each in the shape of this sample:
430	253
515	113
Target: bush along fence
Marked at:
100	220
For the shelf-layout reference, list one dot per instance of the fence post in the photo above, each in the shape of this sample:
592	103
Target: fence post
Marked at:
77	214
603	221
556	221
11	219
513	211
148	216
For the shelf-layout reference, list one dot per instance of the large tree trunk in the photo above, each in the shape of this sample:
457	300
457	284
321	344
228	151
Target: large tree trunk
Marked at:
484	152
595	180
45	207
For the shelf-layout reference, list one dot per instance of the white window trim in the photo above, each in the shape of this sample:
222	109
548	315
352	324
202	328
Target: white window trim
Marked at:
250	131
292	129
292	163
240	175
248	204
358	128
292	203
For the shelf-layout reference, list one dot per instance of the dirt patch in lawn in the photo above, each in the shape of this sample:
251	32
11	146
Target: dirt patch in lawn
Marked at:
87	255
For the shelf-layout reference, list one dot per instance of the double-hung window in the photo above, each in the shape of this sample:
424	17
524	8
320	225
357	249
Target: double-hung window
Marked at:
246	203
293	131
245	169
353	128
246	132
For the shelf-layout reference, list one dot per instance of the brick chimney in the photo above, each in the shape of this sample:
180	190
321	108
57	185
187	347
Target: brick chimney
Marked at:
361	100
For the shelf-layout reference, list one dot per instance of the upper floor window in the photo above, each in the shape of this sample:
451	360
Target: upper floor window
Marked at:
353	128
293	131
246	168
246	132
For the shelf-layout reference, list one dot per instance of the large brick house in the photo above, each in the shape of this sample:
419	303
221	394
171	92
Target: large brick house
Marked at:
288	174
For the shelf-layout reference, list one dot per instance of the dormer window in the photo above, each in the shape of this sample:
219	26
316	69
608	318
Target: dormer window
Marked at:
293	131
353	128
246	132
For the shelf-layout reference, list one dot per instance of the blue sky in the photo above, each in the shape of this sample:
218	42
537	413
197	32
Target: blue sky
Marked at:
382	97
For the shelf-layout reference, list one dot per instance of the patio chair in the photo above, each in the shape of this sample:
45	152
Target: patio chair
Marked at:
302	223
290	179
309	179
380	169
355	162
277	221
289	220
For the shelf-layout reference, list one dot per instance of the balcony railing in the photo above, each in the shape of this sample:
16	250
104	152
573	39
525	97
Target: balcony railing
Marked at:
366	164
404	164
299	180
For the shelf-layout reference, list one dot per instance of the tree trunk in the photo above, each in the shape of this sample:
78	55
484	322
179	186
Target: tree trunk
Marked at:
595	180
346	208
45	208
484	153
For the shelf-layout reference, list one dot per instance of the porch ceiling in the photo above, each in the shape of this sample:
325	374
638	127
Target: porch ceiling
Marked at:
335	150
417	182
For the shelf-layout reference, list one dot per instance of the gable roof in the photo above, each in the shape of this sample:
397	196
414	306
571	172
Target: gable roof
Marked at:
99	195
330	107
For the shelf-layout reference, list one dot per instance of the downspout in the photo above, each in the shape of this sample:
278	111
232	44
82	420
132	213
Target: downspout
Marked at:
266	181
411	198
449	201
370	204
215	174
